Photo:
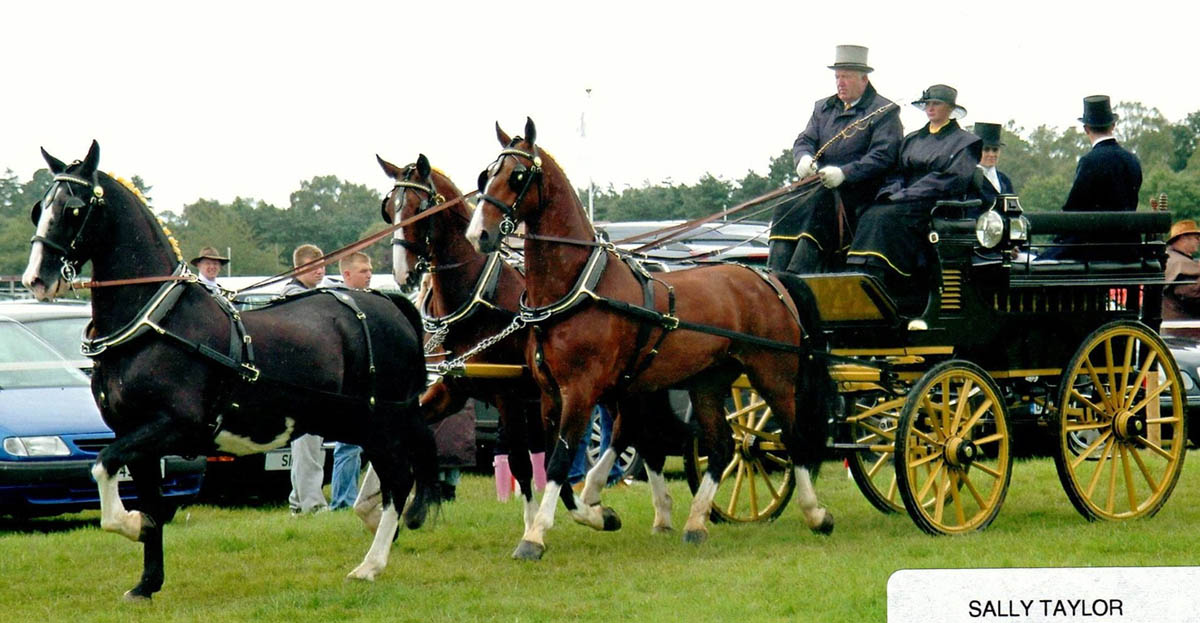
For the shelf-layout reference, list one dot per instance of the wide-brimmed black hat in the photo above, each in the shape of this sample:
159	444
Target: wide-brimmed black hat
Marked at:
990	133
942	93
209	253
1097	111
852	57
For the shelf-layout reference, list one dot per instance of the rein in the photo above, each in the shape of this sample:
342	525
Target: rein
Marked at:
357	246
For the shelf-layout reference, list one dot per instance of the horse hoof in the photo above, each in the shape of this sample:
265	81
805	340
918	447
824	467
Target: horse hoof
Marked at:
361	572
133	597
826	525
528	550
662	530
695	537
612	522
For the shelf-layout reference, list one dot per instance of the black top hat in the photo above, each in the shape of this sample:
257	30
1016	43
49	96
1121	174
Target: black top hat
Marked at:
990	133
1097	111
942	93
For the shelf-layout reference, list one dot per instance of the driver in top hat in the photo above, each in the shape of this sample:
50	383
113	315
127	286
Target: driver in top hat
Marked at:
990	181
858	133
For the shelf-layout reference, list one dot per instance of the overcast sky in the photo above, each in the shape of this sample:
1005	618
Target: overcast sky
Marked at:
223	99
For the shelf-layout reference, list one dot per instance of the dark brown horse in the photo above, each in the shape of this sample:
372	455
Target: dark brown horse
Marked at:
472	296
585	348
179	372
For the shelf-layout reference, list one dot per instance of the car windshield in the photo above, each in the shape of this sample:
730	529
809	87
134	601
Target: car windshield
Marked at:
62	333
26	361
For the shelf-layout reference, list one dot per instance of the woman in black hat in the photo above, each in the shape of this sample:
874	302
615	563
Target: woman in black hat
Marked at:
936	162
990	181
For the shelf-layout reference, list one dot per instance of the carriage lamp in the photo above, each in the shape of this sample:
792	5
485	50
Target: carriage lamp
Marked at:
989	229
48	445
1018	229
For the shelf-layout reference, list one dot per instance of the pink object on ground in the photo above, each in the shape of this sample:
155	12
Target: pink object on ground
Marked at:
539	469
504	479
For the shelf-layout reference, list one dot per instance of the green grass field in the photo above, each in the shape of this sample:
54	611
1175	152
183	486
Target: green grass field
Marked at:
261	564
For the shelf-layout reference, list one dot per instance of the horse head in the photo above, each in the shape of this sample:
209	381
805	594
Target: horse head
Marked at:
414	192
510	190
65	219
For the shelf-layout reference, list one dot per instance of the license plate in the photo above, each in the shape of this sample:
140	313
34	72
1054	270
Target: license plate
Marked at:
276	460
124	476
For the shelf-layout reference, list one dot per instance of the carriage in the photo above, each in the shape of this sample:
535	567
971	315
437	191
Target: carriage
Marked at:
1060	349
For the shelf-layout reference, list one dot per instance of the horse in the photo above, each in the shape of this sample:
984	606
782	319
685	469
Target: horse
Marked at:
472	296
179	371
589	309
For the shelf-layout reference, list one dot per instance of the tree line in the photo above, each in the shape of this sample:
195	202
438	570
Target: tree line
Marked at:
332	213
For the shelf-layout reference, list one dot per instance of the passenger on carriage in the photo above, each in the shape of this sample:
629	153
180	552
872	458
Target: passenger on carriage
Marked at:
936	163
990	181
1107	179
209	263
857	132
1181	299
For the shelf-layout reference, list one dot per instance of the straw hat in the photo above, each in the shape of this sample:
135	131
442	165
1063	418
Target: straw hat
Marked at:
1180	228
209	253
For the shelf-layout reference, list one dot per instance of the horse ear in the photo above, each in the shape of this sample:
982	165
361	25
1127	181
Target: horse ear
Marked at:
502	136
91	161
56	166
423	168
530	131
390	169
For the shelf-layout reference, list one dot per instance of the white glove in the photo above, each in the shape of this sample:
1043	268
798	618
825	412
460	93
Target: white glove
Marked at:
831	177
805	167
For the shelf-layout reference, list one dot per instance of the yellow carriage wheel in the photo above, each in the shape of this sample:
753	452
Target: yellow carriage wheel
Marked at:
874	421
1120	450
759	480
953	450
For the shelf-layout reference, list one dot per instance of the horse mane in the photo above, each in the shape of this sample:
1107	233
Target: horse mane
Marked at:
136	197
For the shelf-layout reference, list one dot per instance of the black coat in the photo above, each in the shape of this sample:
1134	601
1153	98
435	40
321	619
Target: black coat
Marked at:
987	192
1107	178
865	156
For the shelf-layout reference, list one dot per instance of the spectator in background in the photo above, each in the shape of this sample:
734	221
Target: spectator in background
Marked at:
308	457
1181	298
347	457
209	264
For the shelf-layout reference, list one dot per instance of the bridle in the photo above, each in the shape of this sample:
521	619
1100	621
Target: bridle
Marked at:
422	249
521	180
69	251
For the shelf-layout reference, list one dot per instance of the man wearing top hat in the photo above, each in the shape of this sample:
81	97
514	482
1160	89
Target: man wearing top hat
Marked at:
1107	179
850	143
209	263
990	181
1181	299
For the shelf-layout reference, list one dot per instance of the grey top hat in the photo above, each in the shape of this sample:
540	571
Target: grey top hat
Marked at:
852	57
1097	111
942	93
989	132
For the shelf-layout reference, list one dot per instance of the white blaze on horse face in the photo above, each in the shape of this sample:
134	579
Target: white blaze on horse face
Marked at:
400	265
37	251
476	227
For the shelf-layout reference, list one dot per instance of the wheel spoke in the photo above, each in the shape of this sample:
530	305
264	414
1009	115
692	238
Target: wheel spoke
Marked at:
777	459
1074	428
963	393
983	408
933	474
973	491
1137	458
736	492
1126	395
1112	381
1105	398
1128	473
1152	395
1108	447
932	456
1090	449
994	473
994	437
753	478
1155	448
1143	373
959	512
1088	403
879	464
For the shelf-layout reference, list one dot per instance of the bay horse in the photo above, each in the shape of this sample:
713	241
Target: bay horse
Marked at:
178	371
472	296
588	311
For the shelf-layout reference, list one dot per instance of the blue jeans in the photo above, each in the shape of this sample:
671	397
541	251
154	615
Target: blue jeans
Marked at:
347	461
579	465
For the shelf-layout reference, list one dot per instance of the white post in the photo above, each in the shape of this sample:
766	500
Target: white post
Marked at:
229	264
583	135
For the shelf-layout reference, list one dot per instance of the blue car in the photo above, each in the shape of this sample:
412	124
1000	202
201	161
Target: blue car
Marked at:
51	433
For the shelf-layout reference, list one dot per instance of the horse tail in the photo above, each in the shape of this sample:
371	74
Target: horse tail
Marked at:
814	384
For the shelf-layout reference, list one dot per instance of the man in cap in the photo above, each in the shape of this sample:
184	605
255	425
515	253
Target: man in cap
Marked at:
990	181
850	143
209	263
1181	299
1107	179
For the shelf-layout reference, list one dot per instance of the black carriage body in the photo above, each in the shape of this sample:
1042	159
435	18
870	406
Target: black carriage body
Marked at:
1014	318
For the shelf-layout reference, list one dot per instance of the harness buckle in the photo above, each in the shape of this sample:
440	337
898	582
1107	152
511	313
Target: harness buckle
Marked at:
669	322
507	226
250	372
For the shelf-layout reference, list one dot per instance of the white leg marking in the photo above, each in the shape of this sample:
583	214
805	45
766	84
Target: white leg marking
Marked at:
369	503
661	500
544	519
377	556
113	516
701	505
597	477
531	509
807	498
